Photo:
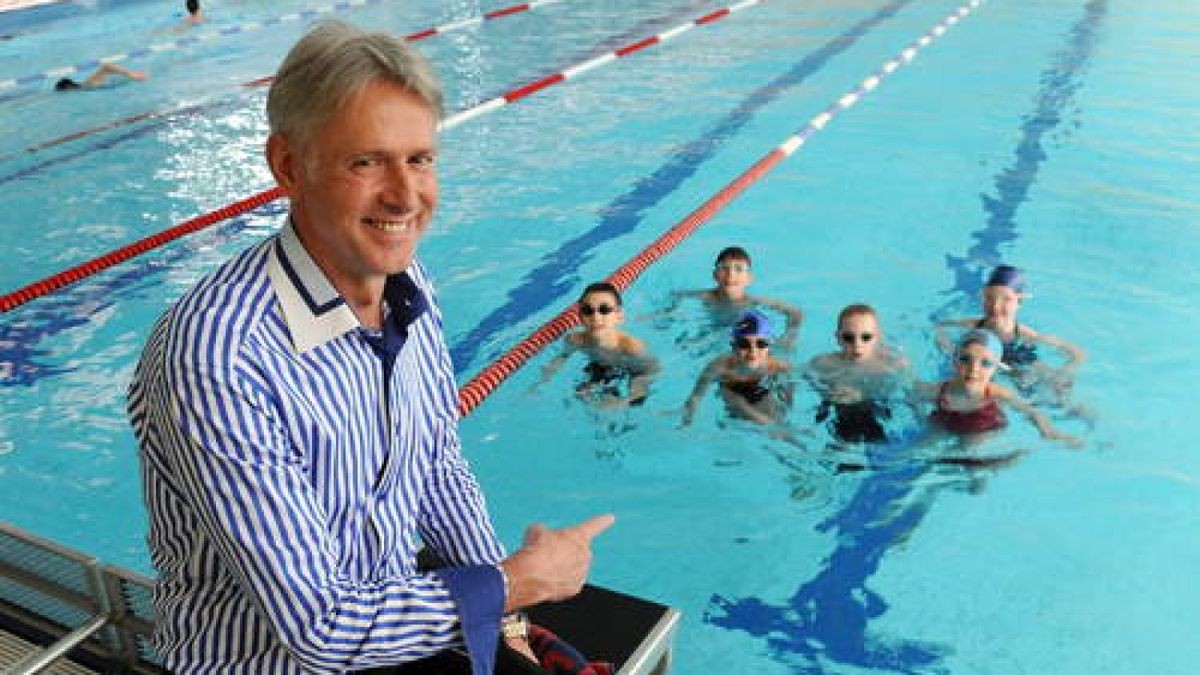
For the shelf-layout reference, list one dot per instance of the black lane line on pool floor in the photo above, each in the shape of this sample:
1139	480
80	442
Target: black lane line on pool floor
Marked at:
827	619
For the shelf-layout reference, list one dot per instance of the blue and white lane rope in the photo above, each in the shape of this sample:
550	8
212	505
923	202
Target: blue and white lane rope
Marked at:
158	48
250	26
266	79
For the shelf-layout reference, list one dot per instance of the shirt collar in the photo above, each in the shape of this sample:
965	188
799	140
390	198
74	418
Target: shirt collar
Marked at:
314	311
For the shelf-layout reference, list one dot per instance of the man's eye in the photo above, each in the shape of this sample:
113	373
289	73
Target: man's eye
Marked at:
423	161
364	162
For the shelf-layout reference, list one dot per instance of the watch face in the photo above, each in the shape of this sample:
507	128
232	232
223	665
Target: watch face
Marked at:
515	626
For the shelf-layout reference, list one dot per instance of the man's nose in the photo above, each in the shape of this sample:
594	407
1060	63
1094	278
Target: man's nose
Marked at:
400	191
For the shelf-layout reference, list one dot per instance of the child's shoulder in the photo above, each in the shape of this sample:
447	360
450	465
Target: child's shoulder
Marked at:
1000	391
631	345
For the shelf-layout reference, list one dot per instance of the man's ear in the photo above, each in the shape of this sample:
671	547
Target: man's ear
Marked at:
284	163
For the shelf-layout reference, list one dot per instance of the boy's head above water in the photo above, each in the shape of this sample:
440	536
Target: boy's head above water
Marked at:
752	338
858	332
600	305
732	270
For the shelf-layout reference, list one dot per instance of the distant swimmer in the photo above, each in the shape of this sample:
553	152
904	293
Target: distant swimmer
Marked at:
194	15
99	77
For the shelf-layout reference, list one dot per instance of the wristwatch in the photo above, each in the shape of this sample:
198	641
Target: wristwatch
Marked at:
514	625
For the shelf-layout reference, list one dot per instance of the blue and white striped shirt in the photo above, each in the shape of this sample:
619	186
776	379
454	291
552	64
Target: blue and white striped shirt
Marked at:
288	485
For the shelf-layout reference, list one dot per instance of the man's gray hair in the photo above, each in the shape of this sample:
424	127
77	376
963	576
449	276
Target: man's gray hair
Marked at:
334	62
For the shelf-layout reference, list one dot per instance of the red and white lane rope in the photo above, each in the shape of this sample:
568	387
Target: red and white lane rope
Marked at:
590	64
52	283
87	269
265	80
482	385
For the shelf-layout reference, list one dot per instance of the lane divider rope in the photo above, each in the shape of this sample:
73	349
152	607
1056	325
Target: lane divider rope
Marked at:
489	379
70	276
52	283
590	64
203	36
265	80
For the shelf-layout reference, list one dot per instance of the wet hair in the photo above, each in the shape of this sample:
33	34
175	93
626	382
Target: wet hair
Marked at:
601	287
192	6
66	84
733	254
334	62
856	310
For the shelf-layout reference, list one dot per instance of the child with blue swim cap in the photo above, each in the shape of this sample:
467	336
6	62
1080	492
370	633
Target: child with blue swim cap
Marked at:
1002	295
753	384
969	403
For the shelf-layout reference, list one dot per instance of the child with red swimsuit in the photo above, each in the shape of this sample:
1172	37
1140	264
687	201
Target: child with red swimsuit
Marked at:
968	404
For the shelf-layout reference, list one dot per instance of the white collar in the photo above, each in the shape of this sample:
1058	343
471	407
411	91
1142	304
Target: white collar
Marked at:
313	310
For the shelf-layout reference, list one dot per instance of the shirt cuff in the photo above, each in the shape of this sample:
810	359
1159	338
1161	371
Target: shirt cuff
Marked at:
478	590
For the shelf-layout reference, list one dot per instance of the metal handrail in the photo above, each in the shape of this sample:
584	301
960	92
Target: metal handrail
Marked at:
40	660
96	600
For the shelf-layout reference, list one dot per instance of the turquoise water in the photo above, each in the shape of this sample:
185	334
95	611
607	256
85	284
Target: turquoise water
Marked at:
1059	136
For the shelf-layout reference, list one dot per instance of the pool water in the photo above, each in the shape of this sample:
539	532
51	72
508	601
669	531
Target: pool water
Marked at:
1059	136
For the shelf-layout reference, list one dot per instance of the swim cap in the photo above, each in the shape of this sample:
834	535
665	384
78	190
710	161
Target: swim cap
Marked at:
753	324
1007	275
985	337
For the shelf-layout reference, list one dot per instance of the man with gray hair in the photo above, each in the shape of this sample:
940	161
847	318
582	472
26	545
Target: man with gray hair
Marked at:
296	411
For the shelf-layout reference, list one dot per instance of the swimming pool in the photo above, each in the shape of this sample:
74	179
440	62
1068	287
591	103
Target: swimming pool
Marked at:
1059	136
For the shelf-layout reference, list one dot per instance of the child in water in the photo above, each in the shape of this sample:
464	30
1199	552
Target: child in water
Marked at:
752	383
968	404
729	298
856	382
619	369
1002	296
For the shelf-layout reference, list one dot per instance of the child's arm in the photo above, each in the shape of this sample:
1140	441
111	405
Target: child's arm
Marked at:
551	367
706	378
1074	354
676	299
792	313
920	393
647	369
816	372
1045	428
